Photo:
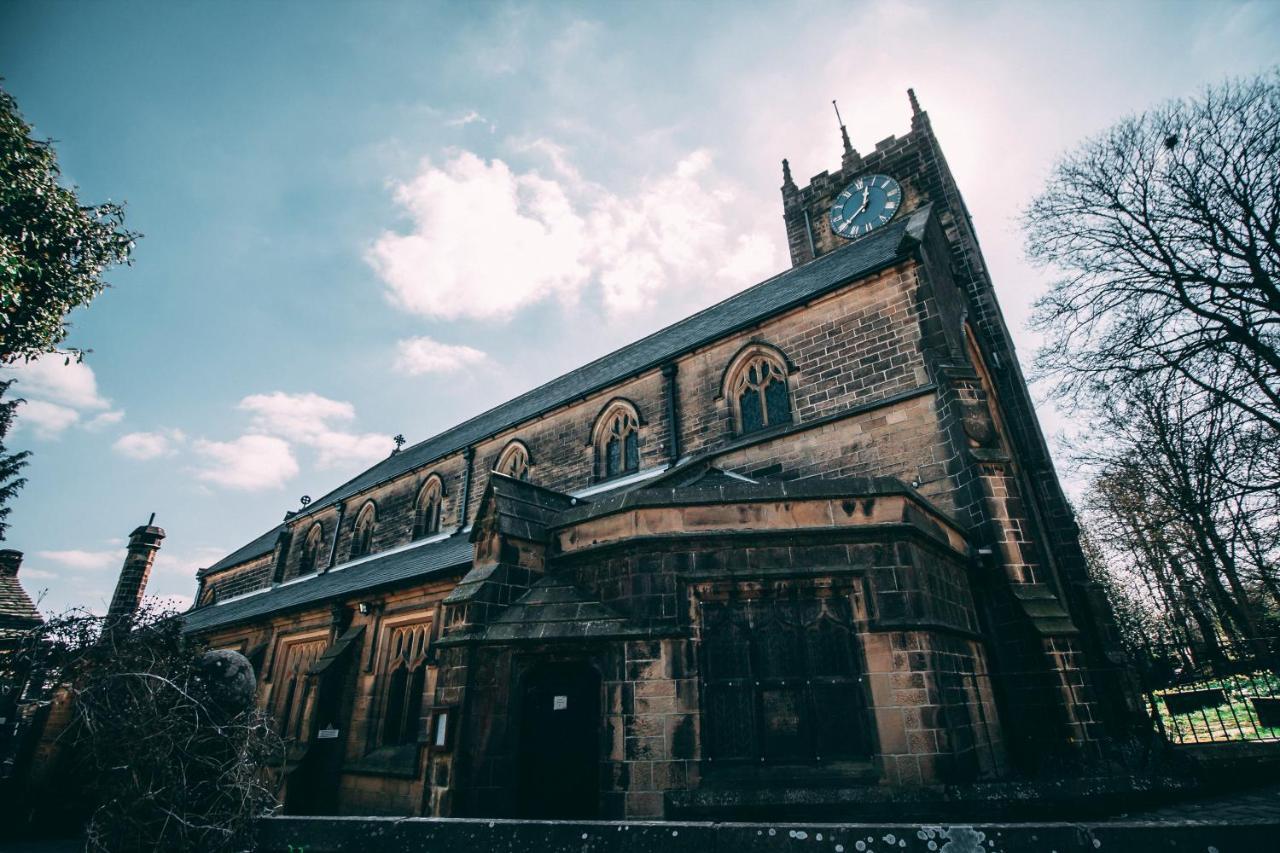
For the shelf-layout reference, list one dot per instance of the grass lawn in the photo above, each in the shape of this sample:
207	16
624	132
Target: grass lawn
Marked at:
1235	719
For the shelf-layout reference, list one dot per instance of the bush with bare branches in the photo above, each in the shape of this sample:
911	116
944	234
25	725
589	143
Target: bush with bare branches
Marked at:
161	757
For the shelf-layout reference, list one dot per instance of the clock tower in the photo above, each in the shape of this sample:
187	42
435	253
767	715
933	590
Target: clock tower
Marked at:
868	192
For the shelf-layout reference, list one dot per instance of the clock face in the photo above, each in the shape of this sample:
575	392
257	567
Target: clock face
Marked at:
865	205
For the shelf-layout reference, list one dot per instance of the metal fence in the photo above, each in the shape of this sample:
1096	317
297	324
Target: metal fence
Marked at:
1220	692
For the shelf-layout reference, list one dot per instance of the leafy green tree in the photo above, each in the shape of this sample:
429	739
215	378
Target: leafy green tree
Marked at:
10	463
53	249
53	252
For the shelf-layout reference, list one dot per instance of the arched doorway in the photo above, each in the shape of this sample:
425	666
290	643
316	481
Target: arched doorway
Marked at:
559	757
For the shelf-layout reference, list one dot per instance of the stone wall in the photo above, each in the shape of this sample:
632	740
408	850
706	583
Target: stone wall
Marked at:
846	352
237	580
337	835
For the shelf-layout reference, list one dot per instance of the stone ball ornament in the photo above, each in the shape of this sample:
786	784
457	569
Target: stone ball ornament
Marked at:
229	679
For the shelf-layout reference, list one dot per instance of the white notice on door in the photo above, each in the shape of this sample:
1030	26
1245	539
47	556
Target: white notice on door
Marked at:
559	703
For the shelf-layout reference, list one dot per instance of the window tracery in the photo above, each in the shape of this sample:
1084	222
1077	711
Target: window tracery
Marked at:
781	681
426	517
616	439
514	461
362	538
293	684
406	682
758	391
311	546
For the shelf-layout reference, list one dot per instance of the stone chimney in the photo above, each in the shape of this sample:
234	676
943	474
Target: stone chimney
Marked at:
10	562
143	544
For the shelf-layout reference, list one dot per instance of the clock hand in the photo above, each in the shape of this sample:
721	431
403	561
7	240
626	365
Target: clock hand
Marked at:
866	195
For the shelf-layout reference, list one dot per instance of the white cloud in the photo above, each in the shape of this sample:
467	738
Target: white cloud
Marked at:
249	463
149	445
416	356
50	378
486	241
183	564
57	394
105	420
470	117
83	560
313	421
48	420
38	574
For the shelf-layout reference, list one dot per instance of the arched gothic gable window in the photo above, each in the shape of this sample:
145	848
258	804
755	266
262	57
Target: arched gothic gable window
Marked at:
757	389
311	547
426	516
362	538
616	440
514	461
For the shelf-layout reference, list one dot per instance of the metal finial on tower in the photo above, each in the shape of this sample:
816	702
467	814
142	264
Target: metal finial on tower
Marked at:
844	131
915	105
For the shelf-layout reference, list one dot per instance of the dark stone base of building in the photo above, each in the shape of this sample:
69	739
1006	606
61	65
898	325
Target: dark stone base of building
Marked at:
402	835
1082	798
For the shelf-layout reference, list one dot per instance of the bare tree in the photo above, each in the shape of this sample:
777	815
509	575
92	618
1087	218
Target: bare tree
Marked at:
1166	229
158	754
1166	503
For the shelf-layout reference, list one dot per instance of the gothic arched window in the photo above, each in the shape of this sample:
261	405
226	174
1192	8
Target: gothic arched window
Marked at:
293	686
514	461
757	390
426	515
311	546
782	681
406	683
362	538
616	439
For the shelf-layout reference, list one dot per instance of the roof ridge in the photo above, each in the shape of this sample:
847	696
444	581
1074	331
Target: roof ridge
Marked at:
864	256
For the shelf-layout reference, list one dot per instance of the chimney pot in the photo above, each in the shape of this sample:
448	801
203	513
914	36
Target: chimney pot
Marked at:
10	562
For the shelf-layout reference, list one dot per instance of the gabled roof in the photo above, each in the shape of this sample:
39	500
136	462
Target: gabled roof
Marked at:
17	611
415	562
555	609
522	509
264	544
787	290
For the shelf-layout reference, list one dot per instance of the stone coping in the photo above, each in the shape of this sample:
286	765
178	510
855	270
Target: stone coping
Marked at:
402	835
763	508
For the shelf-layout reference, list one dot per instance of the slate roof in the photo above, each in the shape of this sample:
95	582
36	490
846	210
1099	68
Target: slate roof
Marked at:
416	562
555	609
264	544
525	510
772	296
17	612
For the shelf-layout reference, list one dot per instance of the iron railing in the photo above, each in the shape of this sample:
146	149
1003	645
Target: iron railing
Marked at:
1219	692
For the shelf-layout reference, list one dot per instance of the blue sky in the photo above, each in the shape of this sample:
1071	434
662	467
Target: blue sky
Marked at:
364	219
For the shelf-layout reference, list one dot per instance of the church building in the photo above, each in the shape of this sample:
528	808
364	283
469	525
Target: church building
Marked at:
805	548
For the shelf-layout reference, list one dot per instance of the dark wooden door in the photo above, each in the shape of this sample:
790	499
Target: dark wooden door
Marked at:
560	742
